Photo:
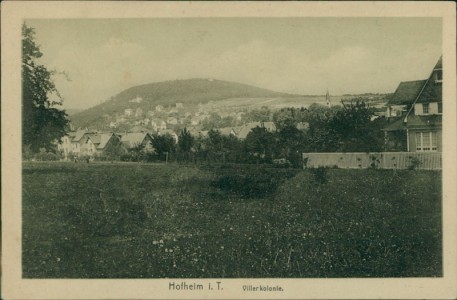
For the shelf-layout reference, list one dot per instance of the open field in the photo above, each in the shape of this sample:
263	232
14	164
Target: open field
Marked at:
155	220
273	102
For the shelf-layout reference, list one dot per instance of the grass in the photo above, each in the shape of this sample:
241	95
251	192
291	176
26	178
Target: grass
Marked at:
155	220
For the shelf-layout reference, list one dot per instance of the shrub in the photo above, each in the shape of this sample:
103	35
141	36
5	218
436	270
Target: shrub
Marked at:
415	162
255	183
320	174
27	152
375	161
295	159
126	157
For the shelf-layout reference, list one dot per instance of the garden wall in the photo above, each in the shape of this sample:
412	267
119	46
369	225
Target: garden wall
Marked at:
382	160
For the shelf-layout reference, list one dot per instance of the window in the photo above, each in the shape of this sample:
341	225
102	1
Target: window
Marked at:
440	107
425	108
426	141
439	76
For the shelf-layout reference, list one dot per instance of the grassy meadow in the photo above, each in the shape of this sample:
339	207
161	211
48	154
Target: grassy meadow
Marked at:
128	220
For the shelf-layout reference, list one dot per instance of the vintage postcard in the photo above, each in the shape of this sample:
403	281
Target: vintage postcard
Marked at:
228	150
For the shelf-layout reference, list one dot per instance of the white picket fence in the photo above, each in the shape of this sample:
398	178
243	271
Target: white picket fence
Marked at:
382	160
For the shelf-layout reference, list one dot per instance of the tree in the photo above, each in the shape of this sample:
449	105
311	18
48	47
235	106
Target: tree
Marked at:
163	144
185	141
215	142
290	144
263	114
354	129
114	150
259	142
287	117
42	123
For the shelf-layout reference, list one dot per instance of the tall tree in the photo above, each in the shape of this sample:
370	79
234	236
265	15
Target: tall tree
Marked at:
163	144
42	123
215	141
355	130
260	142
185	141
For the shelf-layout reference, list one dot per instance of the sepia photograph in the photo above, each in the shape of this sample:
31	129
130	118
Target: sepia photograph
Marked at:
194	150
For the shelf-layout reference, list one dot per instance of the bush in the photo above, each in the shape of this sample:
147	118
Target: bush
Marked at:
295	159
27	152
375	162
46	156
320	174
415	162
126	157
255	183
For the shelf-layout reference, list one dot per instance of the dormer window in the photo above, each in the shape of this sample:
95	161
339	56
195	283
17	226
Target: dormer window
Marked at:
438	76
425	108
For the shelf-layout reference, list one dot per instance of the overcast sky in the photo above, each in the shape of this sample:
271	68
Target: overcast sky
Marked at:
295	55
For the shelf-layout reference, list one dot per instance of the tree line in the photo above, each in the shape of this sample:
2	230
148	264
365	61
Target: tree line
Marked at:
345	128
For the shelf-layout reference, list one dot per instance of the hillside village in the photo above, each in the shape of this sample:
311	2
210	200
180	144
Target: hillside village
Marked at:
411	119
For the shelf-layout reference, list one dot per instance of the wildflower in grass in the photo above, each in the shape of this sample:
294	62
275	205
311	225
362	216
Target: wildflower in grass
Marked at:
161	241
154	242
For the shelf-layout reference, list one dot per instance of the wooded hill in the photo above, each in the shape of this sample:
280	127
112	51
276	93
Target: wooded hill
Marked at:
190	92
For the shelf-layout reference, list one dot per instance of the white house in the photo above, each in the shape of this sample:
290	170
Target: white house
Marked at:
139	112
137	99
128	112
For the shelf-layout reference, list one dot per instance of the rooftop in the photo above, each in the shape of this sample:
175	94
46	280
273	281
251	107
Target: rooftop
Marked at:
406	92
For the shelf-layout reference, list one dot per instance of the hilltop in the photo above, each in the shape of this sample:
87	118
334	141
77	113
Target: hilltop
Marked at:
189	92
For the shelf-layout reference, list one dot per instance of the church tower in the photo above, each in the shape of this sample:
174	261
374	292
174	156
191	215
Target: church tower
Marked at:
327	99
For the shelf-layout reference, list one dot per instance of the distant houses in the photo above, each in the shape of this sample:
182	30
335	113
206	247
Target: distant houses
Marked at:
85	143
137	99
172	120
128	112
138	112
